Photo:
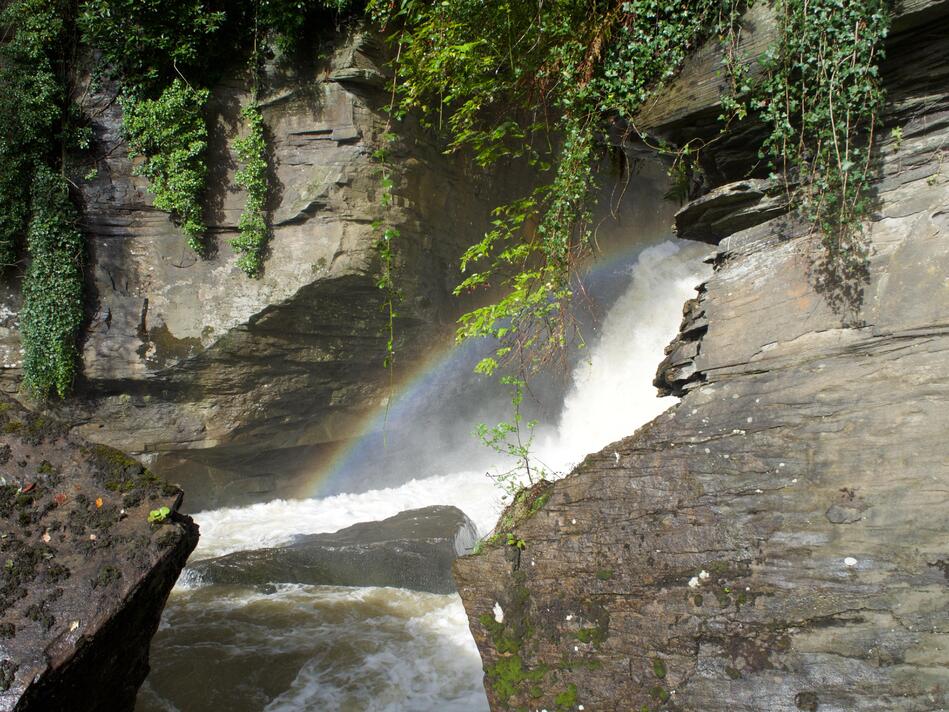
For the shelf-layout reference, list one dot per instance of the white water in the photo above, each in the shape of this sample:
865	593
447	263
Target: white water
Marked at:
612	392
416	653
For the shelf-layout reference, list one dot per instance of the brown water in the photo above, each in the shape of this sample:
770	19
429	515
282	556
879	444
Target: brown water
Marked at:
236	649
303	648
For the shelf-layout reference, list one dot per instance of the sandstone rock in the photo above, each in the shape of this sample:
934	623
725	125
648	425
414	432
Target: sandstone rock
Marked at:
234	386
85	574
777	540
414	549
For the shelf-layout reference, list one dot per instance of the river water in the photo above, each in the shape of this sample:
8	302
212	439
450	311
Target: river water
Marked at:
320	648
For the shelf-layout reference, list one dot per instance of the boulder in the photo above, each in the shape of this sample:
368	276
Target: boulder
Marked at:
414	549
84	574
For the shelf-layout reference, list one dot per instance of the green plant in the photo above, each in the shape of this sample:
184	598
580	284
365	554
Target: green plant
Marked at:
513	439
546	84
31	107
171	136
163	52
157	516
540	84
253	231
52	289
821	95
147	43
896	133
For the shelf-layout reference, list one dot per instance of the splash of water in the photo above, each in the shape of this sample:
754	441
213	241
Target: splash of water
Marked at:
327	648
612	392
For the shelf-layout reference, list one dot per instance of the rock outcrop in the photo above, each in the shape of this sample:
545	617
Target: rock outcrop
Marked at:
778	540
85	574
234	386
413	549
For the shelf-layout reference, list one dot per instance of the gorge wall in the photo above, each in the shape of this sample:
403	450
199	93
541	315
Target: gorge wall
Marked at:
777	540
233	386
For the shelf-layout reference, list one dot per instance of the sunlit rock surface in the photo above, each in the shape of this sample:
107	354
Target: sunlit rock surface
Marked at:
233	386
84	573
778	540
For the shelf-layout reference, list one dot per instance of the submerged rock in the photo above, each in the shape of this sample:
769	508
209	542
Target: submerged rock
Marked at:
84	574
414	550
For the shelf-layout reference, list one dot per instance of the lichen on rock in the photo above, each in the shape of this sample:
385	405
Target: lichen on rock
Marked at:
84	575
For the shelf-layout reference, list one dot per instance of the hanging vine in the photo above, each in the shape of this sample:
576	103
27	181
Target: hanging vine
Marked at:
52	289
539	83
821	96
252	228
545	82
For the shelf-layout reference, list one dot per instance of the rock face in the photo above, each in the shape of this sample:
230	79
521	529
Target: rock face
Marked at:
414	550
234	386
86	575
778	540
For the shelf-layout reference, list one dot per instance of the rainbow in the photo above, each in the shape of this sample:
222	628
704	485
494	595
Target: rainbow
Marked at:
421	383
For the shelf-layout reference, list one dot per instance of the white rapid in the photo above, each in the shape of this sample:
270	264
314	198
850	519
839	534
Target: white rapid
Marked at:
612	392
388	650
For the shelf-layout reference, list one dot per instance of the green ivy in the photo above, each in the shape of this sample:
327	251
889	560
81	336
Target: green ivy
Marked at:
52	289
147	43
170	134
37	129
821	97
252	228
541	83
31	107
546	83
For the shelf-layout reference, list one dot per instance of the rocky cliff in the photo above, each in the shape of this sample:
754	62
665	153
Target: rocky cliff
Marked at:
234	386
87	567
777	540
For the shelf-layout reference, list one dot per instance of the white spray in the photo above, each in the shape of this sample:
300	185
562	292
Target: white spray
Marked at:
424	657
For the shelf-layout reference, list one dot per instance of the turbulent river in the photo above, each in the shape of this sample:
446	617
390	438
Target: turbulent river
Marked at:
237	649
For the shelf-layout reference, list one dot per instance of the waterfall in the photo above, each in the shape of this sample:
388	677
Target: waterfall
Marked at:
327	648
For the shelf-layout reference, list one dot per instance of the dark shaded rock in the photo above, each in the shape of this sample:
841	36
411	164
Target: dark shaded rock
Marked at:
776	541
730	208
677	372
414	549
84	576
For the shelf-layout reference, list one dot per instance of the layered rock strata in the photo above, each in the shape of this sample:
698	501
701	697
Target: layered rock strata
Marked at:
234	386
777	540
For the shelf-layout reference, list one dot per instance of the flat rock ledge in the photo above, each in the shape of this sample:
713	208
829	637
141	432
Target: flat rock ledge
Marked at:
83	574
414	550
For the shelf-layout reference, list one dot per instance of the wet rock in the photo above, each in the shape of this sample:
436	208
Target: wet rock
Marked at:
84	574
777	540
413	549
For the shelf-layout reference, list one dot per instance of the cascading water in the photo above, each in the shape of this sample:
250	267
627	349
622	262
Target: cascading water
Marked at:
373	649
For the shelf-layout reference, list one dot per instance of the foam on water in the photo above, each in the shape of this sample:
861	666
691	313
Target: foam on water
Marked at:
385	650
612	392
277	522
304	648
